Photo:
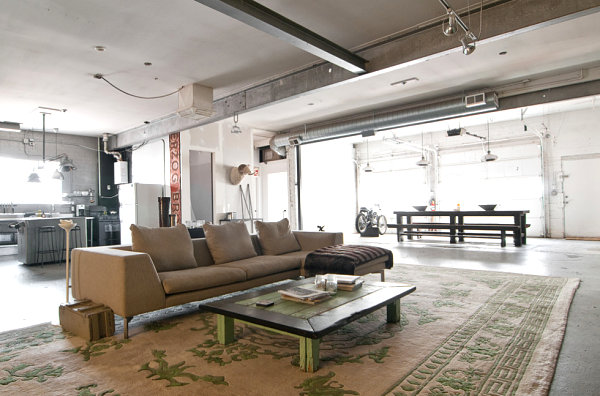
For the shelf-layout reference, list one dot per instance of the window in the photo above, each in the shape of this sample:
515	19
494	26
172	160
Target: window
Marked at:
16	189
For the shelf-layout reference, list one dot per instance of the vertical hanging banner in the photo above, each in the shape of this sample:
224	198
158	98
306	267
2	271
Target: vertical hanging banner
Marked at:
175	176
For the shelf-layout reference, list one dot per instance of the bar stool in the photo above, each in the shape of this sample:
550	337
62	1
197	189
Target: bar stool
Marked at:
75	240
46	245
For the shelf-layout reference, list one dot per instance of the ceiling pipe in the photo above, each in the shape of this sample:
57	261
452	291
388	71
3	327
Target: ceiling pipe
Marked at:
386	119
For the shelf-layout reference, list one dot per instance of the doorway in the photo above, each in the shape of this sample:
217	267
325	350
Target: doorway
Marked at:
581	187
201	185
274	190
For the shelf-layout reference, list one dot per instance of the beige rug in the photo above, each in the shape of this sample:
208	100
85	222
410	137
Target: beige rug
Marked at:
462	333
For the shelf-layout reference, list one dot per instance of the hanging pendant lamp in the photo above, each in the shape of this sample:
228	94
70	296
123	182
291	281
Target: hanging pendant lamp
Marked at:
489	156
368	168
422	161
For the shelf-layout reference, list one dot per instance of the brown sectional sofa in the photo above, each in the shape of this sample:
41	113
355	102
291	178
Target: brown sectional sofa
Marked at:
129	283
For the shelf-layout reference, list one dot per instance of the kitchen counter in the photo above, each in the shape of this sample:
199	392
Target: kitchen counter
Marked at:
27	237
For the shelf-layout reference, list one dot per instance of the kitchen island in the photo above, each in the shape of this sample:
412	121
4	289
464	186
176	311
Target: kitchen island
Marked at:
27	237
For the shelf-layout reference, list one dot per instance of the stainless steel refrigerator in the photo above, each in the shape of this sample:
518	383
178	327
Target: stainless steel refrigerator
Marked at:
138	204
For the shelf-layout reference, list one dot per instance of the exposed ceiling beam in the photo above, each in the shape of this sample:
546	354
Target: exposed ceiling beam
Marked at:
270	22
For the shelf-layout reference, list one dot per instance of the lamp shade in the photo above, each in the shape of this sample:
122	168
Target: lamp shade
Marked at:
33	178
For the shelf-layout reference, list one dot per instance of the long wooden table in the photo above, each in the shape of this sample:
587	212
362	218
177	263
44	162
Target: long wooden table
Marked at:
309	323
455	226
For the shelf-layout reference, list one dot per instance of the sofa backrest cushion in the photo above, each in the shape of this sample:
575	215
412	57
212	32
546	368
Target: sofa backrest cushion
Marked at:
201	252
276	237
228	242
169	247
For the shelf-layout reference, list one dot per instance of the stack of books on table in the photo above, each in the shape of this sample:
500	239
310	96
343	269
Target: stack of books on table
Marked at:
348	282
306	296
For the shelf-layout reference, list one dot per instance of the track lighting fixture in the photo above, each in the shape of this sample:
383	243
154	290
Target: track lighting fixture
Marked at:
235	129
449	28
468	43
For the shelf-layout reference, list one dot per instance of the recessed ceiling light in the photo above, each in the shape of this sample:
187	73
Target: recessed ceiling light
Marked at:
147	63
502	53
100	48
310	104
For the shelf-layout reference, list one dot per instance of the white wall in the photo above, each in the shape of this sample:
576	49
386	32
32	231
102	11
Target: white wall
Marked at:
230	150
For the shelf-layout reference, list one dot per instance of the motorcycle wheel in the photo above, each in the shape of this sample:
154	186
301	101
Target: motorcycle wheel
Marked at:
361	223
382	224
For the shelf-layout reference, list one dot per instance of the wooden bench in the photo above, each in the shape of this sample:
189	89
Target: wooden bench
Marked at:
458	230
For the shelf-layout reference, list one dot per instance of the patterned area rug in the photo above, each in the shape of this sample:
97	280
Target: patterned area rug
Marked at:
461	333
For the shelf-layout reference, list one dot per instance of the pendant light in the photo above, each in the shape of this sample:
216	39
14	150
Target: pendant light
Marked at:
368	168
34	177
489	156
57	174
422	161
235	129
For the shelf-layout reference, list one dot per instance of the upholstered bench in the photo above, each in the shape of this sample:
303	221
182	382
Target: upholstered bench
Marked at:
349	260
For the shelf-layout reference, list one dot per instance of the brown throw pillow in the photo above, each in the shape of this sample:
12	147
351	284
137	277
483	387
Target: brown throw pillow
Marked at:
170	248
228	242
276	238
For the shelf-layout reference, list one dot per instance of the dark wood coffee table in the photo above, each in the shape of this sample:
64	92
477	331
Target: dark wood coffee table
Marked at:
307	322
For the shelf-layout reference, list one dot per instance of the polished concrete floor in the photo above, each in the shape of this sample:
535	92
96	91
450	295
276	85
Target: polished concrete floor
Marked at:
31	294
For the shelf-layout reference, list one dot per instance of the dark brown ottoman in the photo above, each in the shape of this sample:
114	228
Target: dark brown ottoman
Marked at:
348	260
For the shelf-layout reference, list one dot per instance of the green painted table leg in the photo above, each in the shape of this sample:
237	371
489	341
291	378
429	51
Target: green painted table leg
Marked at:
393	312
225	329
309	354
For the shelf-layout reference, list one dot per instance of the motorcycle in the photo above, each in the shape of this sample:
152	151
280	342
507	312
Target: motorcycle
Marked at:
370	218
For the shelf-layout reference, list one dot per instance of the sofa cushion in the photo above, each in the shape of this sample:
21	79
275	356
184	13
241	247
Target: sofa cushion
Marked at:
200	278
260	266
169	247
276	237
228	242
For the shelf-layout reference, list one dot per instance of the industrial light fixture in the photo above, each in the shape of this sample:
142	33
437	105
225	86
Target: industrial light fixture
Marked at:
489	156
368	168
422	161
449	28
235	129
33	177
7	126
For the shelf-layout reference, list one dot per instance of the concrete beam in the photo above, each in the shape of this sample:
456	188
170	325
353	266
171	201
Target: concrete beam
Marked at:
268	21
501	18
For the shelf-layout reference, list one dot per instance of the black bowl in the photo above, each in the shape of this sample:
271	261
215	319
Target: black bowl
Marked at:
488	207
420	208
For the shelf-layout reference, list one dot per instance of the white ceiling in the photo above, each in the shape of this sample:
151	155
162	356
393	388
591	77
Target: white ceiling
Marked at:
48	59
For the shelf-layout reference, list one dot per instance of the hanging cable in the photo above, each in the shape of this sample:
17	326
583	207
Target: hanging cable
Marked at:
99	76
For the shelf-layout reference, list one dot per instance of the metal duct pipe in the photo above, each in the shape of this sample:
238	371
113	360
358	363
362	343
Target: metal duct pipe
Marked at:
387	119
115	154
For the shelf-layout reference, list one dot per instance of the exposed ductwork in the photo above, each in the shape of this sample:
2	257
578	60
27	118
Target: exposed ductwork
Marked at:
386	119
115	154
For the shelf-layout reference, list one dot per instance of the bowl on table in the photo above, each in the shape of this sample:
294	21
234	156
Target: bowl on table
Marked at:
488	207
420	208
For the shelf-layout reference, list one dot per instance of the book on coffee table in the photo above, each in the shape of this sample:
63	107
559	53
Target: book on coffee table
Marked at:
350	286
303	295
345	279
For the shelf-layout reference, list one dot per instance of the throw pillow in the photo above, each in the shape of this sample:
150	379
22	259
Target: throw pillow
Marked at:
276	237
228	242
170	248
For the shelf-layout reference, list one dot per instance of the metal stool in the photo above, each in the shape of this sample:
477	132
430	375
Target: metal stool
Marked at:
46	245
75	241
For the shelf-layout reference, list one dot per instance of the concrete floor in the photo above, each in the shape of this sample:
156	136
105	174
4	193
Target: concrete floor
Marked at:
31	294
